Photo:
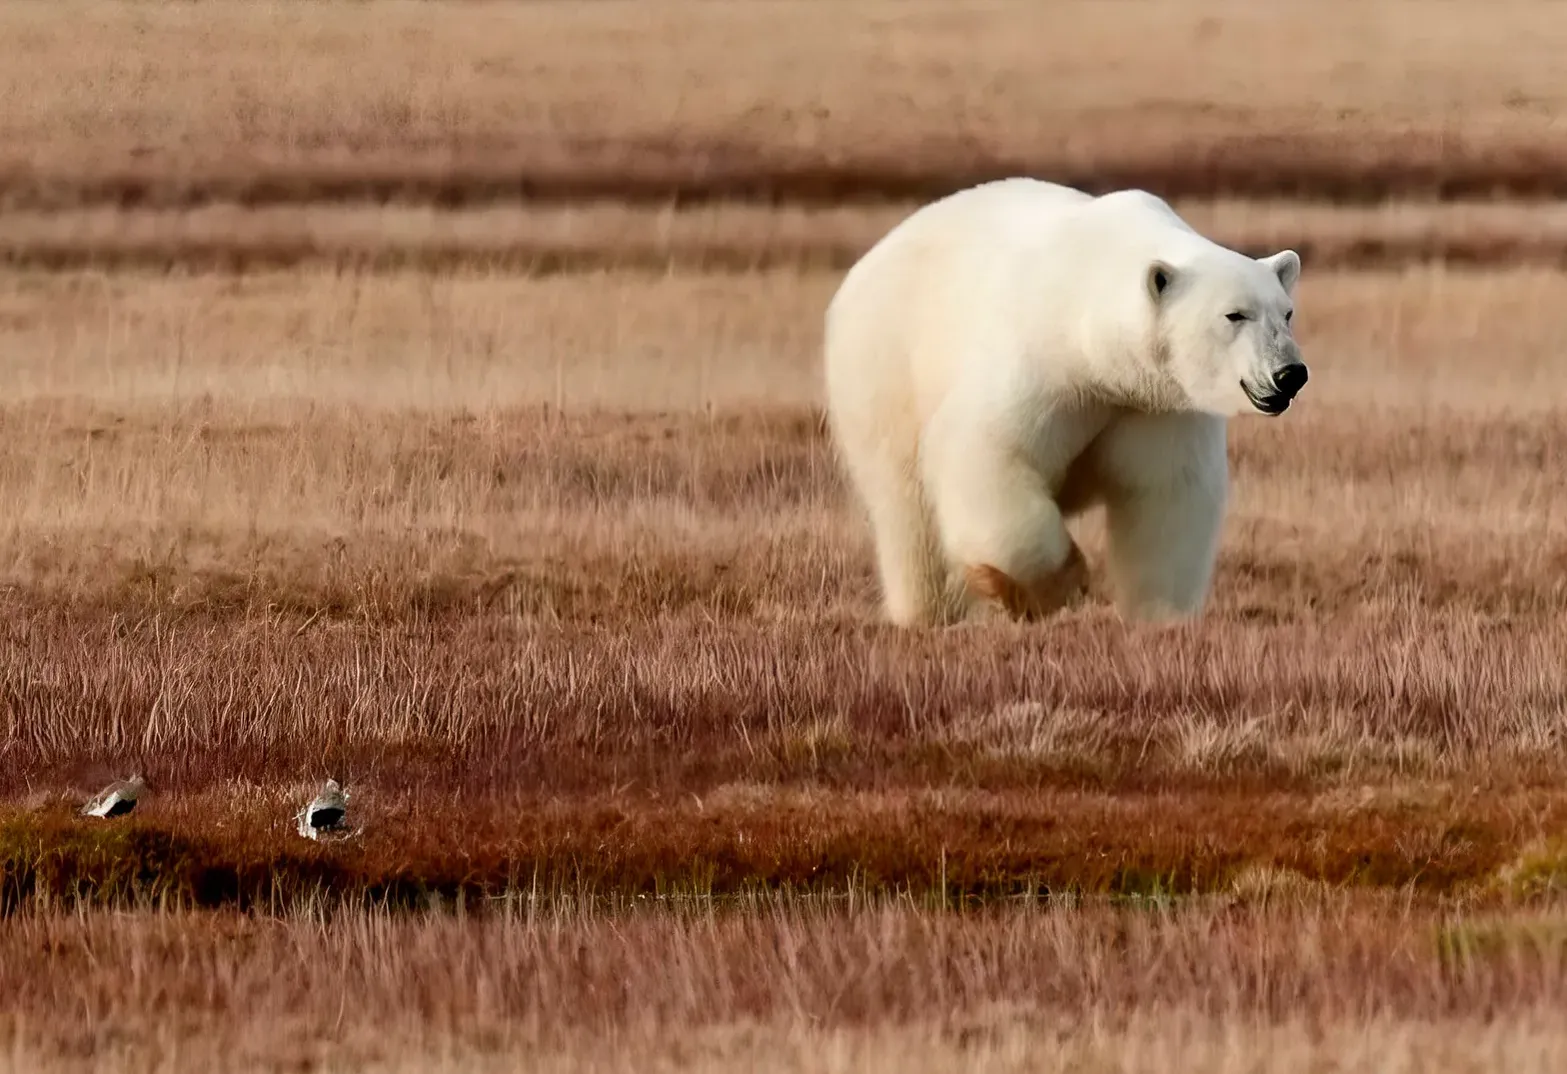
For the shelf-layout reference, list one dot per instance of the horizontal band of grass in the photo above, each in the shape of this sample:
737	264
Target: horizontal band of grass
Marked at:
943	845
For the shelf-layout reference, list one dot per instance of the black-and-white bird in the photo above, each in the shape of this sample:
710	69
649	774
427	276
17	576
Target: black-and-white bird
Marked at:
117	799
326	812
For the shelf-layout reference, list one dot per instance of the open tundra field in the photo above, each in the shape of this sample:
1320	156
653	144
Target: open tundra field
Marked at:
279	102
428	395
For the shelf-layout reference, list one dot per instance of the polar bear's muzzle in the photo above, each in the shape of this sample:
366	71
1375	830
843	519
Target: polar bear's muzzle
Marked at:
1275	398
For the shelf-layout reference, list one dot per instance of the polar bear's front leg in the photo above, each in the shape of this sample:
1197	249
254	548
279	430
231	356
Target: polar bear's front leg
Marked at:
1030	599
1164	479
998	523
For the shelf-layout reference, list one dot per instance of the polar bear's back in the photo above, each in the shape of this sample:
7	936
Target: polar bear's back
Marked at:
951	225
959	276
973	287
982	251
949	256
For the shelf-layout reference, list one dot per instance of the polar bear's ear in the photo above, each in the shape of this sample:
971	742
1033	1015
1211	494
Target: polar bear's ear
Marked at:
1286	266
1160	277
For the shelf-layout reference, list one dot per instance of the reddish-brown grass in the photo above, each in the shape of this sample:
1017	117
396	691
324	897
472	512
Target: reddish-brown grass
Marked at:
533	536
553	633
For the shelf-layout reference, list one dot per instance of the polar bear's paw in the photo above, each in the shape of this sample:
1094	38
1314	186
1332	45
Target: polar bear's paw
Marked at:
1041	597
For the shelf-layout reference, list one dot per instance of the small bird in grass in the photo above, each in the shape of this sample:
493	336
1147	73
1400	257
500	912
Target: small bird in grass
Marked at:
325	813
117	799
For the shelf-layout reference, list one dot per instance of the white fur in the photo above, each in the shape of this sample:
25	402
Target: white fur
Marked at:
1002	360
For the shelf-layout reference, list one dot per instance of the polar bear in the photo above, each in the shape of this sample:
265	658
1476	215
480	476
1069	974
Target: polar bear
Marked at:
1018	352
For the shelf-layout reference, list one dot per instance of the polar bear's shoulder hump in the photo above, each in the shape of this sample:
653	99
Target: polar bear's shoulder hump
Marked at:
1138	207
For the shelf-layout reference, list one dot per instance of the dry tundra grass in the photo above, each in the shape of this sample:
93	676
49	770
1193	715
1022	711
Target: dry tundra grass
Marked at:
538	240
558	574
1293	987
520	519
565	566
271	102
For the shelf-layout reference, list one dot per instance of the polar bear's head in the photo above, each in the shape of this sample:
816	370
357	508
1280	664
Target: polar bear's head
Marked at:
1222	330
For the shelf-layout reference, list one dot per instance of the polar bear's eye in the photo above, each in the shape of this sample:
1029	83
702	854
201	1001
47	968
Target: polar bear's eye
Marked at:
1235	317
1287	315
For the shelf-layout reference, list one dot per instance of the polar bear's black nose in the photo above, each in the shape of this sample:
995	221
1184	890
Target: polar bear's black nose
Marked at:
1290	379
